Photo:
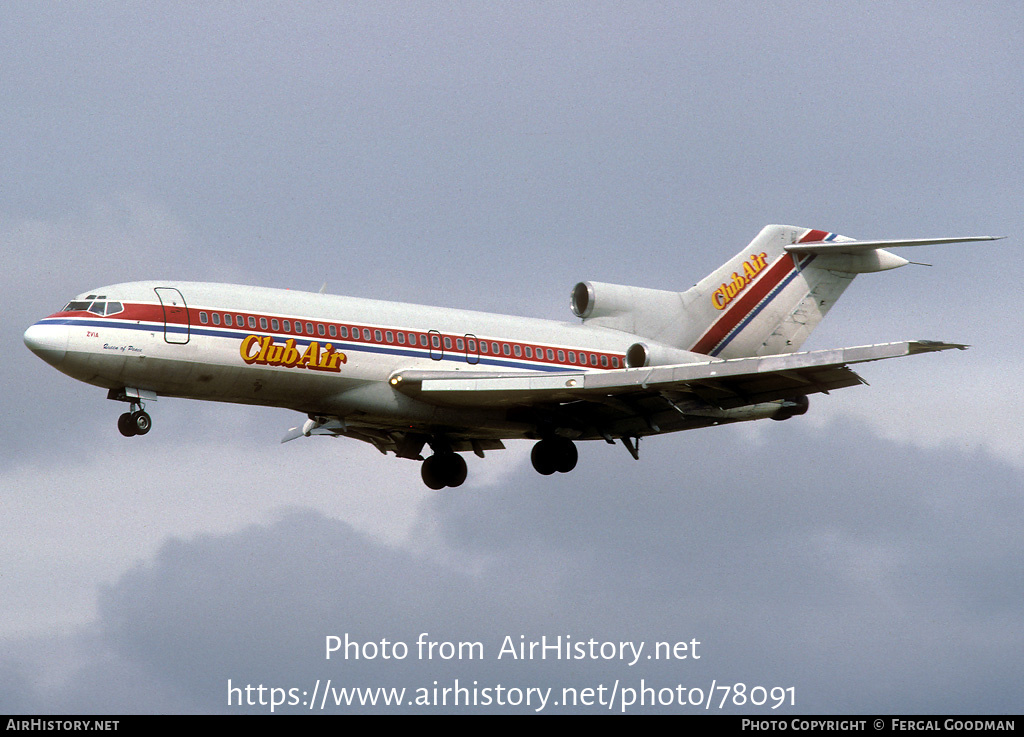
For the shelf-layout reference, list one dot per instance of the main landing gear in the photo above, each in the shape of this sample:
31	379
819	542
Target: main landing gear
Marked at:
446	468
443	469
134	423
554	454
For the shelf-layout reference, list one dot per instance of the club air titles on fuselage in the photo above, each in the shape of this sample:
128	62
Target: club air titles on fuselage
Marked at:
261	350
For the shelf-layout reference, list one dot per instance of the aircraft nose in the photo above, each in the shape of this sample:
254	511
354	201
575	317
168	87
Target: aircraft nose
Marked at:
49	342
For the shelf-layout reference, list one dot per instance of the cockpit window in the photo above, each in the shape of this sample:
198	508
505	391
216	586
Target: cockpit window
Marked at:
97	308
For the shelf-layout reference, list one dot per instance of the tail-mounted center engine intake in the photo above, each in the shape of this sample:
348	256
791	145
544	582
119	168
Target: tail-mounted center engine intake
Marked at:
594	299
643	312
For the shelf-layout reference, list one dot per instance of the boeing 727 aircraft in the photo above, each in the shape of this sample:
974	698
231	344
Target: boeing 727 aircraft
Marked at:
404	377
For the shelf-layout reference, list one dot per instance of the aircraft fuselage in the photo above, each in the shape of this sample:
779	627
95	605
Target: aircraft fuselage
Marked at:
400	376
314	353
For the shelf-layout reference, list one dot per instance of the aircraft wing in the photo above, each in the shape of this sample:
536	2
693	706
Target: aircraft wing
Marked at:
722	383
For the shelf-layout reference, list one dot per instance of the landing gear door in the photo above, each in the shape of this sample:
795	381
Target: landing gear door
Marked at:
177	326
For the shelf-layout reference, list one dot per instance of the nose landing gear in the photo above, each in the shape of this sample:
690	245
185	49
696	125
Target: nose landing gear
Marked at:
134	423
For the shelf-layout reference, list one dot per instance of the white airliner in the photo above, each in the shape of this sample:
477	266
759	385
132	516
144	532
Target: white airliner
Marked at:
399	376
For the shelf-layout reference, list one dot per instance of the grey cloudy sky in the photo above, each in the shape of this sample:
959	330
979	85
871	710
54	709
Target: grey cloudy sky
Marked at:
489	156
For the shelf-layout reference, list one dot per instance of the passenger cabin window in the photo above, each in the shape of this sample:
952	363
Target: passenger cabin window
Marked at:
252	322
216	318
227	320
506	349
263	323
389	336
377	336
333	330
401	338
344	331
275	325
320	329
202	317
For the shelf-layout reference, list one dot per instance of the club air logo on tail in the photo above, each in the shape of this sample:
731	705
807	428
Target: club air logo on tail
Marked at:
263	351
727	292
757	298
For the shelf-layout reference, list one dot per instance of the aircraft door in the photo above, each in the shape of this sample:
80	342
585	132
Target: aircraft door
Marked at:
472	349
177	326
436	346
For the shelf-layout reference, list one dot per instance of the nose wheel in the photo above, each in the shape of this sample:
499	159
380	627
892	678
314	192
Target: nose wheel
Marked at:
134	423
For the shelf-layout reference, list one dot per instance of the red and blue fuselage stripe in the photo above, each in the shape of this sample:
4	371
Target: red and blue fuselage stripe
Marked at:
145	317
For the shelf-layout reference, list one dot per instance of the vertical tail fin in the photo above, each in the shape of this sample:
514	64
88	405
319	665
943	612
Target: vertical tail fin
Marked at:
765	300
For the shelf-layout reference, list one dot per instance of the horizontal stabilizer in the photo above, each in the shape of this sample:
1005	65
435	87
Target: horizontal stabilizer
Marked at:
824	247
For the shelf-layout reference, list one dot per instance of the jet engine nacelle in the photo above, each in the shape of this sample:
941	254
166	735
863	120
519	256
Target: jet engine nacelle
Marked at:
644	312
649	353
592	299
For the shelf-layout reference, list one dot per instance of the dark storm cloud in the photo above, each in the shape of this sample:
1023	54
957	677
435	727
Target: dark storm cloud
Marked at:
873	576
